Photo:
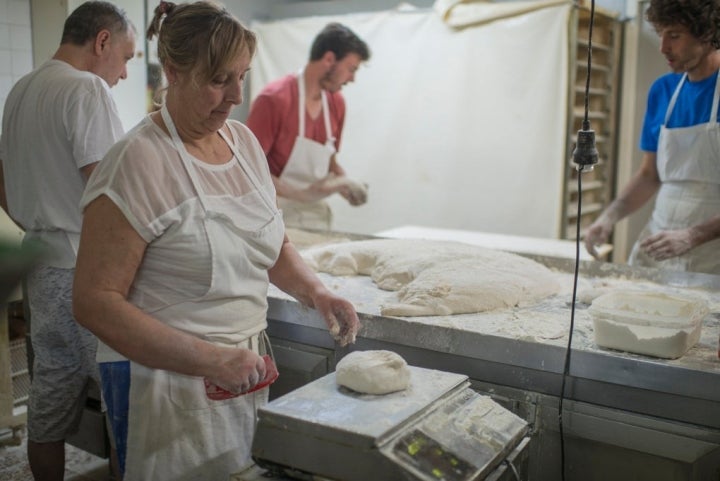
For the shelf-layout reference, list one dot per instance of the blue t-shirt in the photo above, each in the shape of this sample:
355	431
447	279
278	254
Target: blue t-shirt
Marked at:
692	107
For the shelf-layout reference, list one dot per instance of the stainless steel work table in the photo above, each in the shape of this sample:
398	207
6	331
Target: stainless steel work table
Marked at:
518	354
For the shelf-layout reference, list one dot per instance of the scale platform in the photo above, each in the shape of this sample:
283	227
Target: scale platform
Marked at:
437	429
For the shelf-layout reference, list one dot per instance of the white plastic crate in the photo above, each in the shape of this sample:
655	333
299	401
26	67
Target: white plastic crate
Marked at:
654	324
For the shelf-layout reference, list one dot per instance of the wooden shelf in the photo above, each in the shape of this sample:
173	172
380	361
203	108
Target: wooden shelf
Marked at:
579	113
594	68
598	187
596	46
588	209
580	89
593	185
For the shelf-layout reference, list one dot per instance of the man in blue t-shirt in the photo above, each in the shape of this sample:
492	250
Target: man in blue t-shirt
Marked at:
681	148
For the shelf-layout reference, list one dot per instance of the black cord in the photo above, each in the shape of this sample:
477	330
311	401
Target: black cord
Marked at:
568	352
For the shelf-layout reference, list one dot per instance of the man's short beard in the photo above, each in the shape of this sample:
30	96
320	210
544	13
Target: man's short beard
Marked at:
327	79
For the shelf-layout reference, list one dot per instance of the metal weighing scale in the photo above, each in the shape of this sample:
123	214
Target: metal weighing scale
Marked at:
437	429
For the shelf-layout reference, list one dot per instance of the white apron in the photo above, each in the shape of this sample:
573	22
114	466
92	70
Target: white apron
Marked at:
688	164
174	431
309	162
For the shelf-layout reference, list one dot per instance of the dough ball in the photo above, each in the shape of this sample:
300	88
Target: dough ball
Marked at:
373	372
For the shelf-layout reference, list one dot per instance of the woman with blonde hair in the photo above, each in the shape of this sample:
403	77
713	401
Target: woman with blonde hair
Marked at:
180	239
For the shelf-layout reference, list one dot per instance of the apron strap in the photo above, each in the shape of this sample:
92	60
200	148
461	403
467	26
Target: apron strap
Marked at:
184	154
330	139
301	103
265	347
673	99
248	172
716	98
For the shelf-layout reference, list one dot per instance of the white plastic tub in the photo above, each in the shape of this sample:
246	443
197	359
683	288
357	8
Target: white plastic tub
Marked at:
656	324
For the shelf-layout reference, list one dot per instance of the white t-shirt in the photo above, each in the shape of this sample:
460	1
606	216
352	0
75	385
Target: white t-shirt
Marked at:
57	119
143	175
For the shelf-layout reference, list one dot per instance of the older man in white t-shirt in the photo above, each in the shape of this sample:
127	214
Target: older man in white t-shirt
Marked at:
58	122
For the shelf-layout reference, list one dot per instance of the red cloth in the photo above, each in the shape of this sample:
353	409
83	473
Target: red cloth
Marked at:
273	119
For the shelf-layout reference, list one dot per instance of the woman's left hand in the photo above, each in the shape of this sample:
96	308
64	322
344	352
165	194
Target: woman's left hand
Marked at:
667	244
340	317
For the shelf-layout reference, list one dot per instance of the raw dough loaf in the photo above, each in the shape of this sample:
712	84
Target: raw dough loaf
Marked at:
438	277
373	372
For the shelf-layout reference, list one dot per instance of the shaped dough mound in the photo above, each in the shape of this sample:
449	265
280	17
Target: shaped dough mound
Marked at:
373	372
438	277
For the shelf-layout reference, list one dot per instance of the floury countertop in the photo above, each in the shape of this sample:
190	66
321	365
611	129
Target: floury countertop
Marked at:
524	347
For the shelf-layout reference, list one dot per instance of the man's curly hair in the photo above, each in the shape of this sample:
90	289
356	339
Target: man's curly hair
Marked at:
700	17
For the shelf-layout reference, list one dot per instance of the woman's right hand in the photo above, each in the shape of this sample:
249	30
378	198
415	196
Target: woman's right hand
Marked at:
239	370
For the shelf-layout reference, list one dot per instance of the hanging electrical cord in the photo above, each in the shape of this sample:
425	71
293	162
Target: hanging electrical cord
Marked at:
585	156
566	365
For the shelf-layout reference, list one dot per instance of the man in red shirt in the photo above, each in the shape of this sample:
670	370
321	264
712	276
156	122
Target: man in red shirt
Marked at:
298	120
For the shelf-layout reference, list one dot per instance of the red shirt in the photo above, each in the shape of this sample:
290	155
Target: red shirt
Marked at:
274	120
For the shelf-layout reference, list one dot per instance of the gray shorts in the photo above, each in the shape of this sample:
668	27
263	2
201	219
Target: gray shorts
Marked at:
64	360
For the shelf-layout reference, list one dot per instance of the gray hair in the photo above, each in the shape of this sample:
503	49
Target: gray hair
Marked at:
90	18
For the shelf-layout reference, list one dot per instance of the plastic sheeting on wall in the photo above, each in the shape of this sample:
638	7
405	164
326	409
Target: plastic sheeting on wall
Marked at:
459	129
466	13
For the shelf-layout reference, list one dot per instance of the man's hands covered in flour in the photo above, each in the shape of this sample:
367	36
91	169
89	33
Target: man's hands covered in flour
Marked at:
354	192
670	243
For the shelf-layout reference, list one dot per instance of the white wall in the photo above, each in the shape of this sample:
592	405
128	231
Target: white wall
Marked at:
48	17
15	61
448	129
15	44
